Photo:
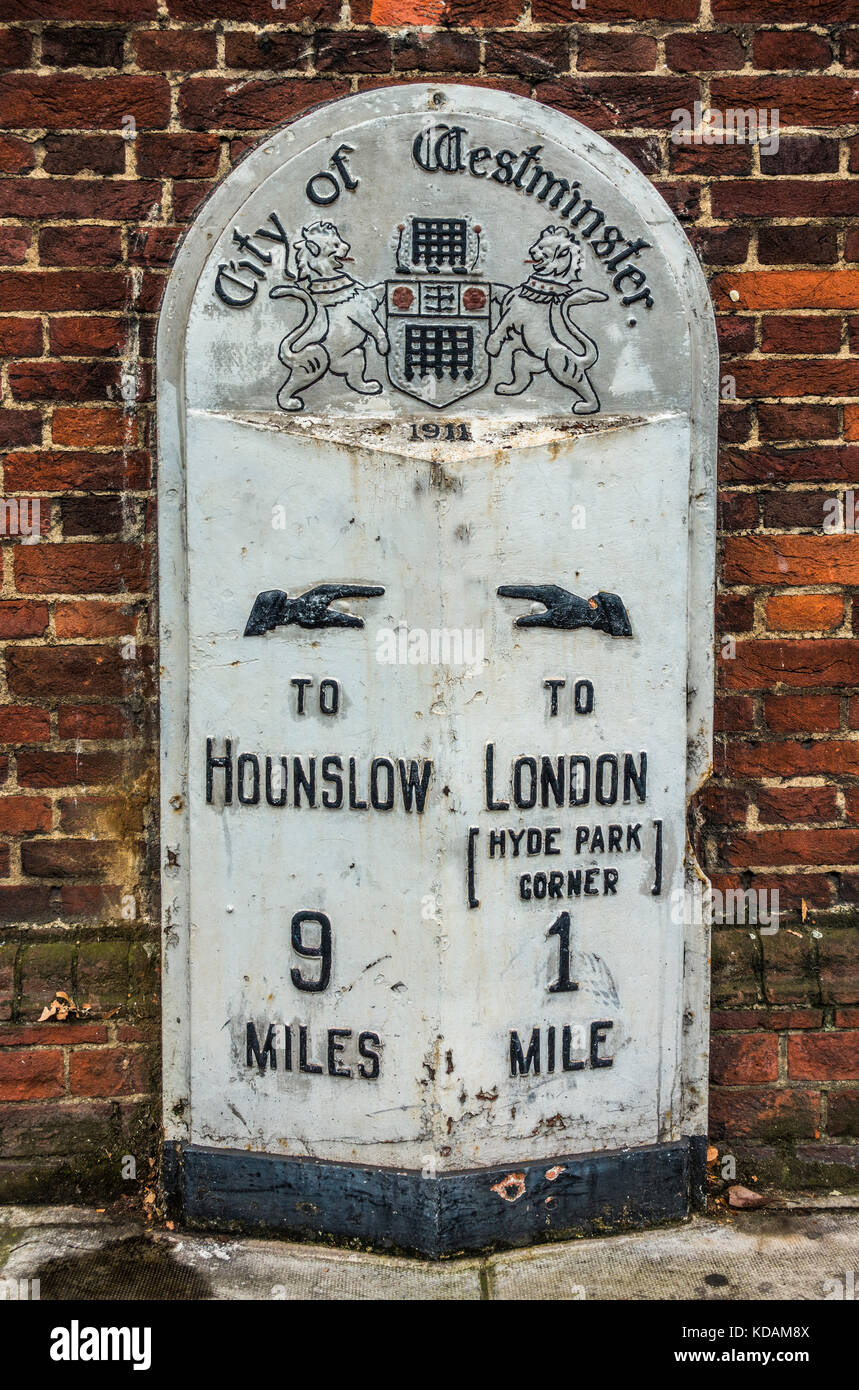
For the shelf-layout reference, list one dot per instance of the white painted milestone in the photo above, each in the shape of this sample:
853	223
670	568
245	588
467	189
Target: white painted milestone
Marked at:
436	404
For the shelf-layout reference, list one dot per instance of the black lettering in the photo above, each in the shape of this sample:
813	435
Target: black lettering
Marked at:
489	778
252	761
415	786
366	1044
551	781
525	800
303	782
631	778
521	1063
329	696
598	1032
335	779
265	1056
335	1047
606	796
376	800
269	790
226	762
311	1068
504	173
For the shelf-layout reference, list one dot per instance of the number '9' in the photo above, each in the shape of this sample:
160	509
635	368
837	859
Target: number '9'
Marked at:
320	951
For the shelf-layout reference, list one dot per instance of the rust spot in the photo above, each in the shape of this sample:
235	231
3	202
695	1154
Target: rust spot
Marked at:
553	1173
510	1188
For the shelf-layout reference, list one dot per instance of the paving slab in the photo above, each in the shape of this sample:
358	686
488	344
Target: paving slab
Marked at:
778	1253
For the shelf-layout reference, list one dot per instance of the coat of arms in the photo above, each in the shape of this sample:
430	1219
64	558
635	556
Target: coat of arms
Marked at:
444	323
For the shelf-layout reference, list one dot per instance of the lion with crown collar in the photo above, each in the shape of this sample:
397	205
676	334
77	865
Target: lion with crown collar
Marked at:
535	315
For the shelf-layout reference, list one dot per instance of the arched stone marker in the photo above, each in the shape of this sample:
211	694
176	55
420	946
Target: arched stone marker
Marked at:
437	393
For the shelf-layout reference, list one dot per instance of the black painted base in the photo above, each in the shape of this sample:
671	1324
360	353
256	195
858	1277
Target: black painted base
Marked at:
474	1210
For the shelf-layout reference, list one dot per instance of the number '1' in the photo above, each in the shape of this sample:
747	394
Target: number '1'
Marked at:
561	929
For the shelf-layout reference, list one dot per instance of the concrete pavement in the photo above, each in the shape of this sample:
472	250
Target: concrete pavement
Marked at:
797	1248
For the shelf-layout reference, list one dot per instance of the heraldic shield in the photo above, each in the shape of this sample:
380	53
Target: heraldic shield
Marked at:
438	312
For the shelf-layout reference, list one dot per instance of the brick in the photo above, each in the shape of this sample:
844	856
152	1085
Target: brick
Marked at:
24	904
764	1115
788	289
82	48
20	337
118	816
14	242
616	52
784	198
62	1129
808	245
721	245
17	156
70	670
735	977
200	11
797	509
68	858
789	967
738	511
53	1034
800	713
837	756
193	156
735	334
73	336
772	1020
51	769
82	619
24	815
371	52
91	516
760	665
530	54
850	48
80	154
272	49
791	805
61	102
789	847
710	160
90	427
733	713
618	11
20	618
24	724
775	48
801	154
800	333
60	199
207	102
54	470
734	612
772	465
791	423
8	953
93	722
604	102
81	245
823	1056
45	968
804	101
80	567
31	1075
704	52
185	50
103	974
838	953
792	560
722	805
804	612
16	47
110	1071
735	423
843	1116
742	1059
56	290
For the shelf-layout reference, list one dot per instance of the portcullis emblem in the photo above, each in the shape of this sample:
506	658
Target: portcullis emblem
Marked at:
438	311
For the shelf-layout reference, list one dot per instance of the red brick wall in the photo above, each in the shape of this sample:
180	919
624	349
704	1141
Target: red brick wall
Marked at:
89	219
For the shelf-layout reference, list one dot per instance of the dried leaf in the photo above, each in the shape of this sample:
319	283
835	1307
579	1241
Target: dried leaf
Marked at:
712	1154
743	1199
